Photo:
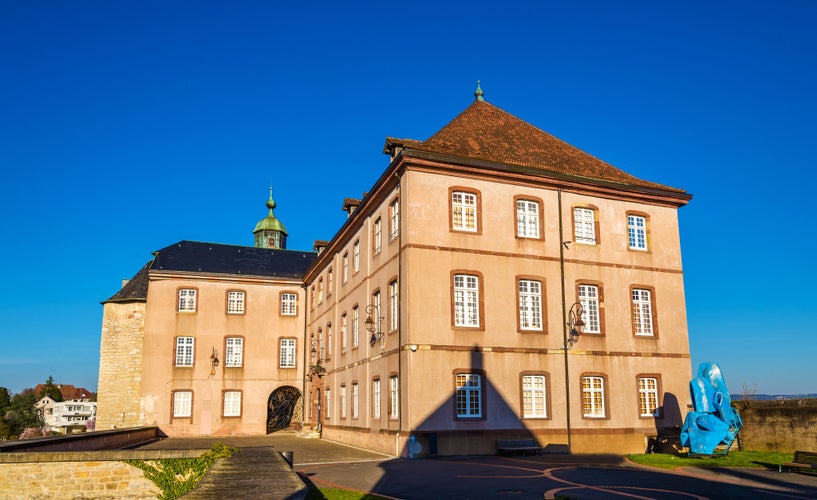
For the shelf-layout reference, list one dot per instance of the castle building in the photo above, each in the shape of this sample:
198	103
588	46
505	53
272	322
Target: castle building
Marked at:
495	282
207	339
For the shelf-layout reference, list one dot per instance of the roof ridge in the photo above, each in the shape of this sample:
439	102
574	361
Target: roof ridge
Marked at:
483	131
251	247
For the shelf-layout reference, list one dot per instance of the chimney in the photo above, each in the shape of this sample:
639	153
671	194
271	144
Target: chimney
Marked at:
319	246
349	206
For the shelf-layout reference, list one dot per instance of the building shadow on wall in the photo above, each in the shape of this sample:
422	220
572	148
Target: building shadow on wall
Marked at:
472	418
446	433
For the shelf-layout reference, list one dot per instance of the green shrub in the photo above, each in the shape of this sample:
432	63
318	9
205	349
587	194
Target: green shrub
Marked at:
177	476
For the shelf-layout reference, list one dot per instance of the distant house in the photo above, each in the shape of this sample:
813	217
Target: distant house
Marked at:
494	283
66	416
69	392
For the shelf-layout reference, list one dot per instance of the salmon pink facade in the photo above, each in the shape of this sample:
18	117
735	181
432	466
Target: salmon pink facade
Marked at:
494	283
469	298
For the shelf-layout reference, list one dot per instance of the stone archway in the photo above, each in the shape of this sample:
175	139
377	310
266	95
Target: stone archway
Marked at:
285	409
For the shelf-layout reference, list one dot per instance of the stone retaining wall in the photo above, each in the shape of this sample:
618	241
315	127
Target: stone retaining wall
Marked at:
79	475
85	441
784	426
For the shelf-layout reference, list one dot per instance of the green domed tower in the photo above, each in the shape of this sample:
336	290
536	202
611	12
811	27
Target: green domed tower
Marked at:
270	232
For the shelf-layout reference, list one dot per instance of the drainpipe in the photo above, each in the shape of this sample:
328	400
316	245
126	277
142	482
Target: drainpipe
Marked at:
564	318
307	400
400	383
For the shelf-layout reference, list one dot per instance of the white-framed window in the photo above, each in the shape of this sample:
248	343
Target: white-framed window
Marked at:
184	351
234	352
589	299
469	395
376	398
355	400
289	304
378	235
287	347
463	211
187	300
182	404
345	267
642	312
466	300
329	340
232	403
328	397
394	218
593	396
394	306
356	256
637	232
330	282
584	225
343	336
394	397
235	302
355	327
320	291
530	305
342	401
534	396
527	219
648	396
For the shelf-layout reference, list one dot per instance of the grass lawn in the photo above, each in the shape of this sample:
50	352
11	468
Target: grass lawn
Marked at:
338	494
733	459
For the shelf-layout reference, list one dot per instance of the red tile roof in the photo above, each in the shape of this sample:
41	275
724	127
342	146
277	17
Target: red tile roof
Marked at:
484	132
68	391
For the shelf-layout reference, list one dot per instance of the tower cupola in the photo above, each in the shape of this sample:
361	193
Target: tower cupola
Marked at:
270	232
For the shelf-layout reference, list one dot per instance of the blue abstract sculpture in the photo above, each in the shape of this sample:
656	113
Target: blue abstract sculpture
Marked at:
712	422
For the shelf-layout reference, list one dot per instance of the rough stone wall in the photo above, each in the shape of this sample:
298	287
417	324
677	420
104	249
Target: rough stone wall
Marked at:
120	366
784	426
77	480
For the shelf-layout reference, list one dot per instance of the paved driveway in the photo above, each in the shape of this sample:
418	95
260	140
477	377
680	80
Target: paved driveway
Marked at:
547	476
574	476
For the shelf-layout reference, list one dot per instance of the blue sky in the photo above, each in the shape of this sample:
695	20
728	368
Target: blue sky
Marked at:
127	126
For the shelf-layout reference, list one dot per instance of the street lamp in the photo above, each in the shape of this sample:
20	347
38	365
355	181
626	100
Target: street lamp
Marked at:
574	324
213	361
316	368
373	328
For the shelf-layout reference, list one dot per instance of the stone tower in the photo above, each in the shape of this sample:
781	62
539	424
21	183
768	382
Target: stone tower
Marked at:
120	361
270	232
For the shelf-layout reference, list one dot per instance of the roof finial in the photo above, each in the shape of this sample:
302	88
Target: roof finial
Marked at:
270	202
479	93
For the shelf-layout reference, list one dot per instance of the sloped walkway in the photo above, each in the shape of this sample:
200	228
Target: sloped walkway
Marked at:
257	470
257	473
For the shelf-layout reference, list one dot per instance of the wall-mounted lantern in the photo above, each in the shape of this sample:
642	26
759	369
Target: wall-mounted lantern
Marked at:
213	361
574	324
373	324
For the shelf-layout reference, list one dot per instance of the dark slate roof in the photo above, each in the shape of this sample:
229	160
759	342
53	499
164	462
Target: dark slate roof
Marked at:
484	132
135	290
214	258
